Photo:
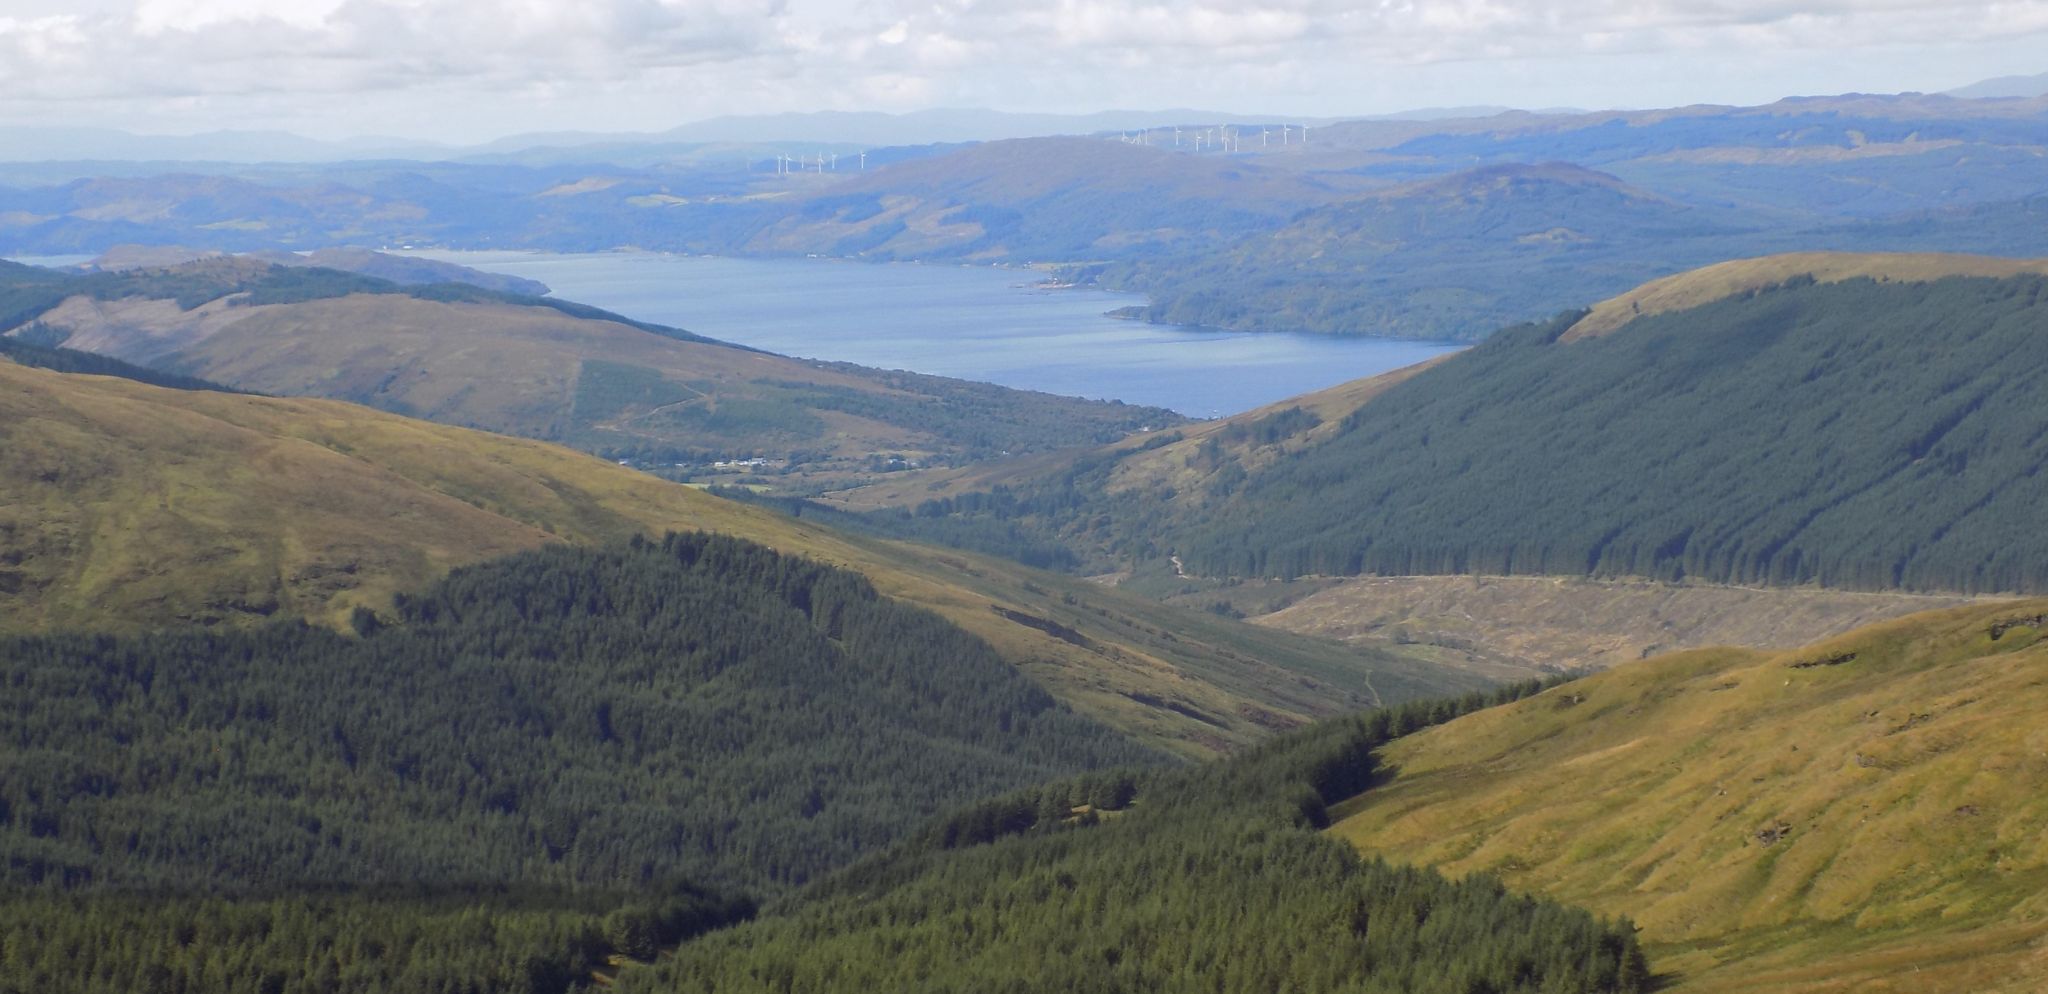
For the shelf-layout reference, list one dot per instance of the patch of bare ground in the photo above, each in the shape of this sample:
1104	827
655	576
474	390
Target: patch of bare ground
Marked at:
1515	627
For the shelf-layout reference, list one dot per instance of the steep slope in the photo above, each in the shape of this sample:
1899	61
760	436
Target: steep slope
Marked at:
544	369
1863	814
1857	434
1103	882
1210	879
128	507
695	708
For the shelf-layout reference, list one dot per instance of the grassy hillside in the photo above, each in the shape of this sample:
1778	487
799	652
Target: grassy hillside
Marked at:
544	369
1862	814
127	507
1720	281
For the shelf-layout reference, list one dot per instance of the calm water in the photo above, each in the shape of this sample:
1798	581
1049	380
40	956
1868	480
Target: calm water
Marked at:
969	322
52	261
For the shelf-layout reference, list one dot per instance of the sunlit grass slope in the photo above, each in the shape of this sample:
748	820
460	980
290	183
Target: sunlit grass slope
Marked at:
127	507
1705	285
1869	813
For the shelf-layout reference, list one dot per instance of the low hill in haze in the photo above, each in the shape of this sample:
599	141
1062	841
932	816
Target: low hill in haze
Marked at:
1862	814
129	507
2015	87
540	367
1059	199
1851	173
403	270
1447	258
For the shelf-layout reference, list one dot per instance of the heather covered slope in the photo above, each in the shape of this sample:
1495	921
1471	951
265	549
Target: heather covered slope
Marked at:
1861	814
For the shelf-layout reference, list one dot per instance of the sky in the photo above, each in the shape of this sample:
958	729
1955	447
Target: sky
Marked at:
470	70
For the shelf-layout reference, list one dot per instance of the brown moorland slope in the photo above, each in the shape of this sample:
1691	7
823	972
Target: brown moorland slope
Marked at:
546	369
1868	813
125	507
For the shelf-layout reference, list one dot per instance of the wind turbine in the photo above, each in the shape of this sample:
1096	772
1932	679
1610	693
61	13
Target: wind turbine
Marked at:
863	162
1265	137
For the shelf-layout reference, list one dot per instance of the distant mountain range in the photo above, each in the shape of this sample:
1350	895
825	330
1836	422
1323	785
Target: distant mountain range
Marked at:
818	128
1444	227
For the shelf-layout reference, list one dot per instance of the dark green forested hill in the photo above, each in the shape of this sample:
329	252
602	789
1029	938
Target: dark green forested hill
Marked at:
679	720
698	708
1857	434
553	760
1211	879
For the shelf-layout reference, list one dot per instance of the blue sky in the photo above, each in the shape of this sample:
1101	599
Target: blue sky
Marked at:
467	70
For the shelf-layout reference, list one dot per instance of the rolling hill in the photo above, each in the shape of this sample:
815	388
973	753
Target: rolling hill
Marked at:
1057	199
1862	434
1861	814
541	368
1450	257
1602	455
403	270
572	716
129	507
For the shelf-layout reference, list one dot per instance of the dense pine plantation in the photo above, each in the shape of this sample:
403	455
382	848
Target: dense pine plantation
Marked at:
1215	879
438	941
1855	434
648	730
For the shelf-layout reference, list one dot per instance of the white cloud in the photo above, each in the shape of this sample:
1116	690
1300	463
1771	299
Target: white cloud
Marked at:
492	64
